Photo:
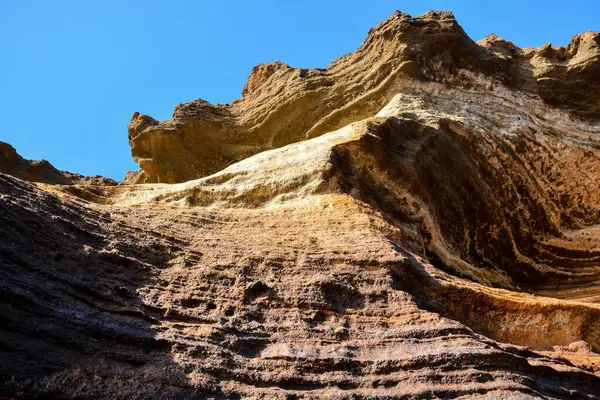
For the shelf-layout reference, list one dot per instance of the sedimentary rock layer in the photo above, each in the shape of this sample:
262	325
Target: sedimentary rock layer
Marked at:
282	105
311	298
436	236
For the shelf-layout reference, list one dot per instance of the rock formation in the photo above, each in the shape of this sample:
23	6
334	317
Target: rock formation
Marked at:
418	220
12	163
282	105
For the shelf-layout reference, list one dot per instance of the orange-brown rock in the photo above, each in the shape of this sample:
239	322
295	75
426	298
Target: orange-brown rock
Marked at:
437	238
282	105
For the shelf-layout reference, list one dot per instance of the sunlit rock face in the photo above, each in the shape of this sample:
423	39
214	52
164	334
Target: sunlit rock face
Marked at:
418	220
283	105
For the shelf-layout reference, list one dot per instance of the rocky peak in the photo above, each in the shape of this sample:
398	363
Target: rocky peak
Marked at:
585	45
8	152
498	45
42	171
139	122
402	27
260	74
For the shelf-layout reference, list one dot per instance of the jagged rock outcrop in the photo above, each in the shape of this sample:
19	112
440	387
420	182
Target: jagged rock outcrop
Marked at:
282	105
436	236
42	171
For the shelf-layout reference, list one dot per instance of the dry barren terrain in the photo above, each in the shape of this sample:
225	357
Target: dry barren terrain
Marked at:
421	219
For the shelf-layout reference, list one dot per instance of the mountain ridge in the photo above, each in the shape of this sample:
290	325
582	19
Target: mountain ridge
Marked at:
203	138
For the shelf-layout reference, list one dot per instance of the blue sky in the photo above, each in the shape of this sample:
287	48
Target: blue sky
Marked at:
73	72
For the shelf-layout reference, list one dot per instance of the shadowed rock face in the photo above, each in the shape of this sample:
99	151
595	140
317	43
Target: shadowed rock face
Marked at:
42	171
435	236
282	105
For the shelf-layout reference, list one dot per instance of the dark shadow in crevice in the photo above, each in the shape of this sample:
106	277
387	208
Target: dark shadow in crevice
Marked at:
71	322
475	310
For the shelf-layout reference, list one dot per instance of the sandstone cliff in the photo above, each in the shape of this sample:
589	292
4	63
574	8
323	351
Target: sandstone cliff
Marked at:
282	105
425	225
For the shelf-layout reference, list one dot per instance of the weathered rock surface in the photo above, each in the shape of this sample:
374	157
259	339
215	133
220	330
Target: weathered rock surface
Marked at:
282	105
436	237
42	171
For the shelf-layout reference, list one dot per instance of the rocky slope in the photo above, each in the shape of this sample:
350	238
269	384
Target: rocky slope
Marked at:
436	236
12	163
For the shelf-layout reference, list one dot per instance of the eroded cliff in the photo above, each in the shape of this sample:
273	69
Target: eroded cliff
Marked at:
282	105
425	225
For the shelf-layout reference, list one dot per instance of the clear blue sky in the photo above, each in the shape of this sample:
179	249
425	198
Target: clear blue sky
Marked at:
73	72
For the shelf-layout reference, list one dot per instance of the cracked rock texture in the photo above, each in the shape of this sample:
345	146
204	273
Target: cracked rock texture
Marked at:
419	220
